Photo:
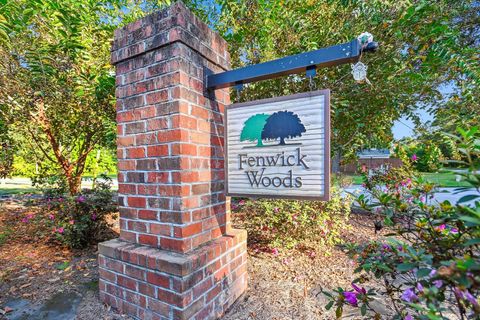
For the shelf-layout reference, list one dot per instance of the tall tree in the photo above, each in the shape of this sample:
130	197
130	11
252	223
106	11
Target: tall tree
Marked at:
424	43
56	83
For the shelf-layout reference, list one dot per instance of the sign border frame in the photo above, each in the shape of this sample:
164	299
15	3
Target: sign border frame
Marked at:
326	175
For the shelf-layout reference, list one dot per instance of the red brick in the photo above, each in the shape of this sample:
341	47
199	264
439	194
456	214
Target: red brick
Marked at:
157	177
146	289
156	97
187	231
128	236
212	294
175	245
127	188
134	272
179	300
157	151
147	214
184	149
145	113
107	275
160	229
157	124
148	239
126	164
137	202
158	279
136	153
202	287
147	189
172	135
126	141
182	121
126	282
137	226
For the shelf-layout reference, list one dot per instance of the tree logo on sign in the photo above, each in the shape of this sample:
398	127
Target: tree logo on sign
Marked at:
280	125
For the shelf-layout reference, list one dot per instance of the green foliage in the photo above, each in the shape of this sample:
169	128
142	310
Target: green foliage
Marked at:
6	149
287	223
427	154
58	85
424	44
429	265
82	219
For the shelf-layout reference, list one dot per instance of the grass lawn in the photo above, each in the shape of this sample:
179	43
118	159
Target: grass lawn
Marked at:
442	179
7	189
445	179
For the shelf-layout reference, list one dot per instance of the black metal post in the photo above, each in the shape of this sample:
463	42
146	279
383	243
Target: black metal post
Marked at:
325	57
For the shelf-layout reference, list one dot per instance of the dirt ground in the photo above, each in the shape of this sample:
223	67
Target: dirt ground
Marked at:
283	286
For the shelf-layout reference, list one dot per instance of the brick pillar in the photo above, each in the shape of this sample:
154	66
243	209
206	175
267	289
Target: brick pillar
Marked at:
177	256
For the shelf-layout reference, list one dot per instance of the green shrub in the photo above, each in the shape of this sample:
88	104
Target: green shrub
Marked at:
83	219
429	266
287	223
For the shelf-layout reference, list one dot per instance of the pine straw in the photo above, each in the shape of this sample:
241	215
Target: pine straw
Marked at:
286	286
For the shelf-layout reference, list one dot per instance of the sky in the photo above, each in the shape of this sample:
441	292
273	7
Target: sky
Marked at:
405	128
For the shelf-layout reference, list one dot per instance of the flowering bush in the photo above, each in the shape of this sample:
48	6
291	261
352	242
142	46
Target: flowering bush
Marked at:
429	266
285	223
82	219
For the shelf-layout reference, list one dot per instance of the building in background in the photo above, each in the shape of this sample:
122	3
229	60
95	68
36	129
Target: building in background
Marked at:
371	159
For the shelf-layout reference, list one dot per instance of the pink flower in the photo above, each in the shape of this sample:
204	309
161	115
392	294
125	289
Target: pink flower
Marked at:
414	157
25	220
60	230
358	289
440	228
241	202
409	295
81	199
351	298
94	216
408	317
276	210
275	251
51	217
72	222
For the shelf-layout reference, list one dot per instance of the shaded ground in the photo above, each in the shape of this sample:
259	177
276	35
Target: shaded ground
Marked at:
42	280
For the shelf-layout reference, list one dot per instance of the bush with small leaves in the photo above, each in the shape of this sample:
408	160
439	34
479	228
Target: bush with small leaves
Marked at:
429	265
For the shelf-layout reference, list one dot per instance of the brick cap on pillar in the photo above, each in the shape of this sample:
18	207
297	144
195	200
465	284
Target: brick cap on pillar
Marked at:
175	23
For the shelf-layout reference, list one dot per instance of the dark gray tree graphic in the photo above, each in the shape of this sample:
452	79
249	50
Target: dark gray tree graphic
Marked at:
282	125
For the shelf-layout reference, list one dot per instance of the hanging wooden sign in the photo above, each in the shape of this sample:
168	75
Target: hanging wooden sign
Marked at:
280	147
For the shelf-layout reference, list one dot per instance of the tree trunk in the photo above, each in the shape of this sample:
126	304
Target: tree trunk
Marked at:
282	141
336	161
74	184
259	143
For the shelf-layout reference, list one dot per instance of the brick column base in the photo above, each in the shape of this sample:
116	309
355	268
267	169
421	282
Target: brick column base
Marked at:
150	283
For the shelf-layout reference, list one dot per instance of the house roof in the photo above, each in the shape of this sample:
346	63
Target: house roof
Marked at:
374	153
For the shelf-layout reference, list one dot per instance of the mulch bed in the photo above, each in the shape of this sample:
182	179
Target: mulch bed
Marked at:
283	286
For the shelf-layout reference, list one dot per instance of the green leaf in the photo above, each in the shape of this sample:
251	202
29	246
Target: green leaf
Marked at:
468	198
339	312
403	267
472	242
329	305
363	309
423	272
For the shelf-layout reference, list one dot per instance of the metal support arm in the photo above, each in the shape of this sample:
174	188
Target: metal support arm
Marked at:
325	57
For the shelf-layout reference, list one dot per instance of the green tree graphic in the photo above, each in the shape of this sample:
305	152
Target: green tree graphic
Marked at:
252	128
